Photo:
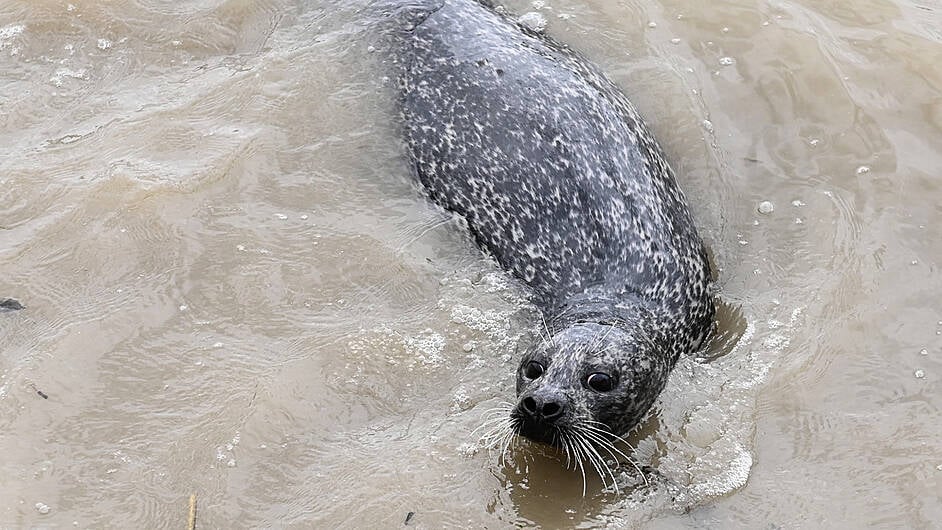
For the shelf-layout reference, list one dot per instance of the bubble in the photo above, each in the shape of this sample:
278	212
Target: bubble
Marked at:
766	207
797	203
923	352
7	33
532	21
863	170
62	74
468	347
727	61
428	346
42	508
675	40
920	374
652	24
725	30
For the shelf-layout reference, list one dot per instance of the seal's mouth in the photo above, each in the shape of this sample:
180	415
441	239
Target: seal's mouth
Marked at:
539	432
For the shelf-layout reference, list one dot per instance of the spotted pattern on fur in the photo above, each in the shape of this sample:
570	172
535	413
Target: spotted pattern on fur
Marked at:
561	182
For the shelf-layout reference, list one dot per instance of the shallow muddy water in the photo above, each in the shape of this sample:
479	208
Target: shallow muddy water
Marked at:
235	289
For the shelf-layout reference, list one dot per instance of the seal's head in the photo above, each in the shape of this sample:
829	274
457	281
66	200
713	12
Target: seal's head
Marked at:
587	380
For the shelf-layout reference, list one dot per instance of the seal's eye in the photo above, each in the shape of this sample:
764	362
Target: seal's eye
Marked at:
600	382
533	370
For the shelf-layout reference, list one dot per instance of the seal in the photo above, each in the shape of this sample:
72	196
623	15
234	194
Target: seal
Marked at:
561	182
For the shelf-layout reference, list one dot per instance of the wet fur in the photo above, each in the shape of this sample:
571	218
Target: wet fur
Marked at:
560	180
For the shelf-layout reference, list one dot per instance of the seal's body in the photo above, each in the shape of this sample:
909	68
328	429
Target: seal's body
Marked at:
560	180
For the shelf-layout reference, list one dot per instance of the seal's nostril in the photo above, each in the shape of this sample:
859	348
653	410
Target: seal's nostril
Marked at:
551	410
529	405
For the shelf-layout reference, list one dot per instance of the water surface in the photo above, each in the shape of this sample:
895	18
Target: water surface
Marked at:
235	289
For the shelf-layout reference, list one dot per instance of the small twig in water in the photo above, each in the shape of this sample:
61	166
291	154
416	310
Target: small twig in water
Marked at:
38	391
191	520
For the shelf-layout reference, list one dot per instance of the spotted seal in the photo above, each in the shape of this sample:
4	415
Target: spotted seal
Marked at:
559	180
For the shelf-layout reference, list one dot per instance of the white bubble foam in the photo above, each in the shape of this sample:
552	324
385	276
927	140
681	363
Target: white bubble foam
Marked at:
533	21
428	347
8	33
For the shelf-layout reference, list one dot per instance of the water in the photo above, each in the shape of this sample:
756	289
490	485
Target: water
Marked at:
234	288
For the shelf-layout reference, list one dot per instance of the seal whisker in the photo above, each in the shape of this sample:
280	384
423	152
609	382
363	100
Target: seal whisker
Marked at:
490	421
604	430
578	460
560	439
571	453
606	445
501	408
597	461
600	338
495	434
495	439
602	441
505	444
549	335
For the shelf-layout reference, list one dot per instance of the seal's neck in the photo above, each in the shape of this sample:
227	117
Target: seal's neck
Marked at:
600	306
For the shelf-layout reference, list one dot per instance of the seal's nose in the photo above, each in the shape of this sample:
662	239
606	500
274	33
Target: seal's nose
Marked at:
538	408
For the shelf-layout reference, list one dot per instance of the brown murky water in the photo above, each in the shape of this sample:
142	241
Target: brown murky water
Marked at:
234	289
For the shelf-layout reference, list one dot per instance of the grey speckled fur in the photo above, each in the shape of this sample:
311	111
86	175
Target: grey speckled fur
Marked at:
561	182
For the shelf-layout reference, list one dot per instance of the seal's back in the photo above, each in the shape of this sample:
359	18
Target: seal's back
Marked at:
551	166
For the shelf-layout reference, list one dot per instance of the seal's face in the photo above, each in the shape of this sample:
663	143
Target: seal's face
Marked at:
587	381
